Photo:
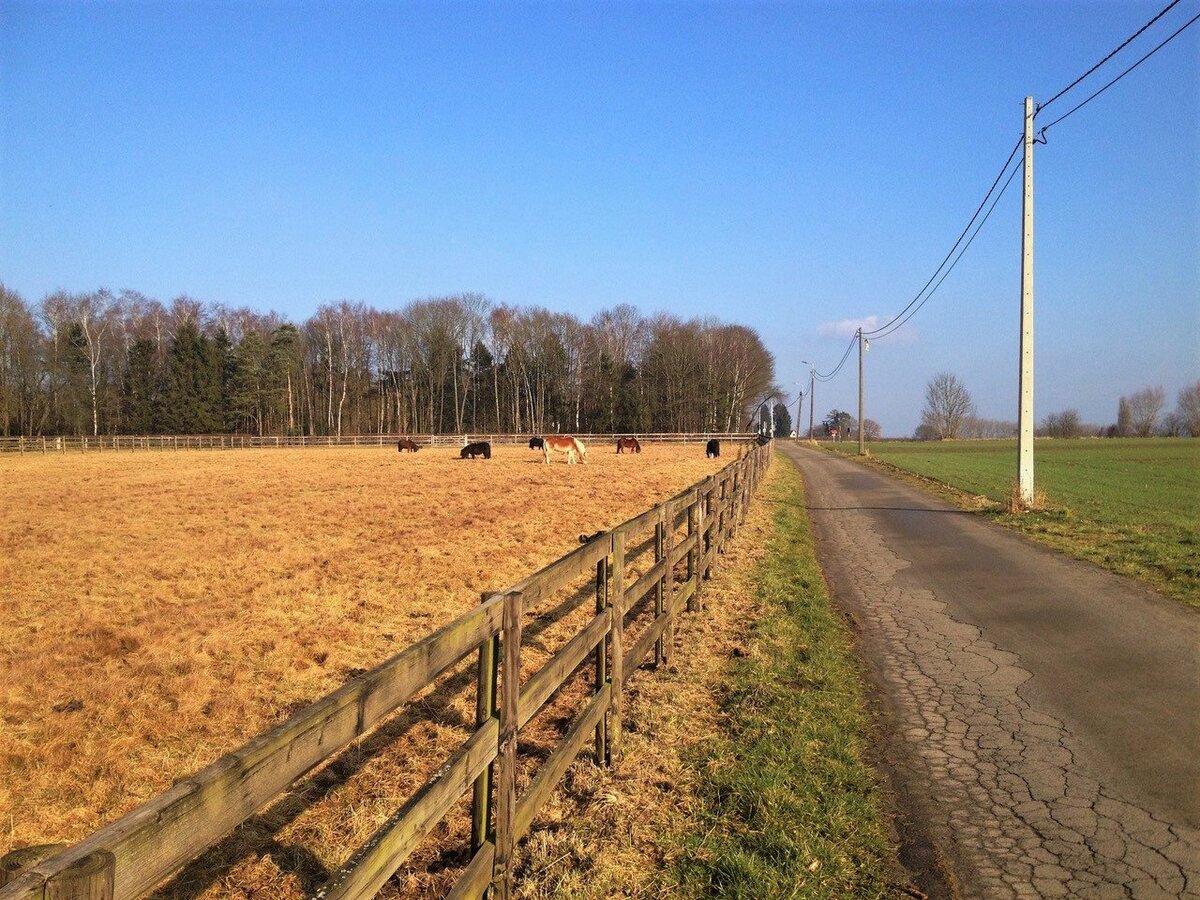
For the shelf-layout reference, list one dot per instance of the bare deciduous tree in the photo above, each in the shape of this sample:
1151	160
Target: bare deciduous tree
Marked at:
1187	409
1142	409
947	406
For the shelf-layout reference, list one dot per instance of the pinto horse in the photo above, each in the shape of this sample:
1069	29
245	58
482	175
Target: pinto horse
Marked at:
630	443
406	444
481	448
564	443
713	448
535	443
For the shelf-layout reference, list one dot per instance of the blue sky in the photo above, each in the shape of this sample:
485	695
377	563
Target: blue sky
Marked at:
787	166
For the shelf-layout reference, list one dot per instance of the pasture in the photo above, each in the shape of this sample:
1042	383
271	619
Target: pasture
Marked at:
162	608
1131	505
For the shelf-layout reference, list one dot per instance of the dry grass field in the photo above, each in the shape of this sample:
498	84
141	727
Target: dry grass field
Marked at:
161	608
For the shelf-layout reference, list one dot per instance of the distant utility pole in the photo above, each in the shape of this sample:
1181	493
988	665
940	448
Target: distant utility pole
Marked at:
1025	414
862	412
812	390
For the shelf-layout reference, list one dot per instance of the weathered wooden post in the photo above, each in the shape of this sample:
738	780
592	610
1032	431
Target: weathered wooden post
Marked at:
23	859
616	599
91	878
485	708
506	760
668	582
601	656
659	542
693	578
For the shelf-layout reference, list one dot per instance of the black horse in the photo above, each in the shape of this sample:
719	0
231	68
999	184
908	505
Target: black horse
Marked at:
712	449
536	443
481	448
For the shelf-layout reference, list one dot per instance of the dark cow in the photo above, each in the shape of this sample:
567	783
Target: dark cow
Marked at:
405	444
712	449
481	448
630	443
536	443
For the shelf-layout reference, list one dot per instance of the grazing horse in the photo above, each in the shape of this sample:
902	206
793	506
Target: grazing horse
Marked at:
588	538
563	443
481	448
536	443
406	444
630	443
712	449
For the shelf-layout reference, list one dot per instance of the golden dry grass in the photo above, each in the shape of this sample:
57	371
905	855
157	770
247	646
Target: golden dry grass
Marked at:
162	608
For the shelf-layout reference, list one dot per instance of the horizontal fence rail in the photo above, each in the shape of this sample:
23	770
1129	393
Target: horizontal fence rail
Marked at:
636	579
120	443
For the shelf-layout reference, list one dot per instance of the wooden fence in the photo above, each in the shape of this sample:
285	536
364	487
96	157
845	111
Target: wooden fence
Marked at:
641	575
131	442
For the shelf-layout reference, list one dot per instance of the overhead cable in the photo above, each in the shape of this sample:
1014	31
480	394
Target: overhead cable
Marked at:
954	247
1097	93
982	222
1125	43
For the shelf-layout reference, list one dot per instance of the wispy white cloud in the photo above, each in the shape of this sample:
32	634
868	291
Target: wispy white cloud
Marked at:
847	327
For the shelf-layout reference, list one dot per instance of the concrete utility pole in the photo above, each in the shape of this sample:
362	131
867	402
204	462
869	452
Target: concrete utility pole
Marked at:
812	388
1025	414
862	441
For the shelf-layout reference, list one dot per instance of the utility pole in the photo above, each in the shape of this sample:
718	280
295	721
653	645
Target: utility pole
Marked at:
1025	414
862	441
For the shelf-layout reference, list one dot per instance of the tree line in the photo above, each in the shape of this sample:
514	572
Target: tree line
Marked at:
104	363
949	413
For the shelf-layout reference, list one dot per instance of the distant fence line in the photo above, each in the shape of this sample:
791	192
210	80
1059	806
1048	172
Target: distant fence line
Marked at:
131	442
629	573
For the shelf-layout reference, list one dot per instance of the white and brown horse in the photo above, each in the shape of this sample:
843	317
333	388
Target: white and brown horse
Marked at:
564	443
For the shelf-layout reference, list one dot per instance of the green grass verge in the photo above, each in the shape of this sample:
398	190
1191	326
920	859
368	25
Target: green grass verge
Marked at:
790	807
1131	505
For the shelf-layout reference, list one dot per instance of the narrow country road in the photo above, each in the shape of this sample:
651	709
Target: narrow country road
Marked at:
1041	717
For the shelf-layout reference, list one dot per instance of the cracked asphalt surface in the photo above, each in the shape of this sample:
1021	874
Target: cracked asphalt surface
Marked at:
1041	717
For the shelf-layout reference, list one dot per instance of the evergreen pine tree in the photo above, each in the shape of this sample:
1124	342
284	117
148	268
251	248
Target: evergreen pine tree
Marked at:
140	388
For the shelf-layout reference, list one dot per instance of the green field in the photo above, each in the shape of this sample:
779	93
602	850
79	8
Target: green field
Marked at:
1129	504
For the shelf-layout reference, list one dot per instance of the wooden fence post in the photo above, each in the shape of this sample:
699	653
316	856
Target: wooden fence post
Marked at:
710	497
616	599
669	583
693	577
21	860
91	878
485	708
506	760
659	541
601	657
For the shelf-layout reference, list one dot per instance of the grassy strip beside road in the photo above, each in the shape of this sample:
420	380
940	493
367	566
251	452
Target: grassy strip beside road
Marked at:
744	769
1128	504
791	808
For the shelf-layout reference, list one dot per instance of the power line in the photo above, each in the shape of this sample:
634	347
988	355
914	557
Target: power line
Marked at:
1125	43
957	258
1096	94
954	247
828	376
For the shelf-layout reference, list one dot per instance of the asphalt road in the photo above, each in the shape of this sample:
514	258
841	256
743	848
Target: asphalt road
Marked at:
1040	716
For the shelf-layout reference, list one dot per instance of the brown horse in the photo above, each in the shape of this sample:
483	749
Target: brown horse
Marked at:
630	443
406	444
564	443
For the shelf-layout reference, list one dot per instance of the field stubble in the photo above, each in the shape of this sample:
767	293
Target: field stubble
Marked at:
163	608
